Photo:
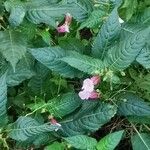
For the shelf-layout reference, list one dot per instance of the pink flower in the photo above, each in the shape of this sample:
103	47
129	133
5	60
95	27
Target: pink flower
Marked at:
95	80
88	85
64	28
87	95
54	122
88	88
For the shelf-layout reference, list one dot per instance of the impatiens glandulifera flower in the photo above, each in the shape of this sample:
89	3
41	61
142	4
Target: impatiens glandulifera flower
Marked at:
88	91
54	121
65	27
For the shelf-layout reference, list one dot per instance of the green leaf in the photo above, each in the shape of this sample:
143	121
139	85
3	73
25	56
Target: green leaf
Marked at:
12	46
144	83
37	82
24	70
144	57
82	142
142	17
141	142
50	57
48	13
3	99
84	63
107	34
132	105
26	127
64	104
41	139
87	5
28	29
17	12
88	121
94	20
40	11
110	141
124	53
45	36
55	146
72	44
139	119
128	9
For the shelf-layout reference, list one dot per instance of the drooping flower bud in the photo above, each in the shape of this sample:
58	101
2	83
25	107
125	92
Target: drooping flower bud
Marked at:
94	95
54	122
95	80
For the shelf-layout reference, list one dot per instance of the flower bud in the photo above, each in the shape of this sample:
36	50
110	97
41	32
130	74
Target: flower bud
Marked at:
95	80
94	95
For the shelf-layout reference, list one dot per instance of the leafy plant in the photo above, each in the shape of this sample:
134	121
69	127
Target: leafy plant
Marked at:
74	74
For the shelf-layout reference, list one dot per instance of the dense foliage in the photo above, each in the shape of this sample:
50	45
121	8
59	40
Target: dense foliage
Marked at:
51	50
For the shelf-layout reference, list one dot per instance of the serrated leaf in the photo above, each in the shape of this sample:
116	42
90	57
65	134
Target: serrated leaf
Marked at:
144	82
64	104
142	17
132	105
84	63
24	70
141	142
87	5
95	19
44	11
17	16
50	57
128	8
72	44
28	29
12	46
59	106
3	99
144	57
37	141
139	119
49	13
82	142
36	83
41	139
17	12
108	33
26	127
124	53
89	121
110	141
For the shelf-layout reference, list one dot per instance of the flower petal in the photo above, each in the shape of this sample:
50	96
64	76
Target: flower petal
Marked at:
84	94
62	29
88	85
